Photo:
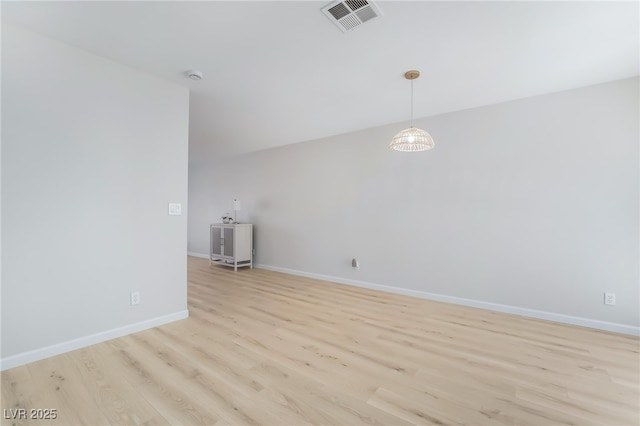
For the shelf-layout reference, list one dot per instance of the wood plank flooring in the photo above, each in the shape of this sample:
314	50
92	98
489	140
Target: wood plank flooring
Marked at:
265	348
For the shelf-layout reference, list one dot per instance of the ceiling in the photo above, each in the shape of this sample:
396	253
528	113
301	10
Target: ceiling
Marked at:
277	73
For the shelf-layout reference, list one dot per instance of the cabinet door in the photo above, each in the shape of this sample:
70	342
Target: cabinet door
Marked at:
216	241
228	242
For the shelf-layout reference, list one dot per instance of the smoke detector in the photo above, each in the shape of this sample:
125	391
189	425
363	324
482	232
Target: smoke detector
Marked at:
194	75
349	14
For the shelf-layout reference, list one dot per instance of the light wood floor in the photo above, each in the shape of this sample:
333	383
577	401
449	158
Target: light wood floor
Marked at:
262	347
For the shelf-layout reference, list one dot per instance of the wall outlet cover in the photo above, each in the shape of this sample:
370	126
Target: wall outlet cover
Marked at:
175	209
135	298
610	299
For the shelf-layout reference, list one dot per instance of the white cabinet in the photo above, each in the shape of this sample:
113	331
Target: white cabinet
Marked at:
232	245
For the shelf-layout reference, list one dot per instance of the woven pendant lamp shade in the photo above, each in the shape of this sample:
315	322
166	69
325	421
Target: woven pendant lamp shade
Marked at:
412	139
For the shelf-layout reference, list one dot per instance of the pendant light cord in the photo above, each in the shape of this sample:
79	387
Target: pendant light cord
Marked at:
411	102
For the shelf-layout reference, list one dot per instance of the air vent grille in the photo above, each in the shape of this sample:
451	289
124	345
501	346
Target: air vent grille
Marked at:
339	11
356	4
349	14
366	14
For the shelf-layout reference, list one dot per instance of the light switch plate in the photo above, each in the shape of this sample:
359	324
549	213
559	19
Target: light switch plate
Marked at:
175	209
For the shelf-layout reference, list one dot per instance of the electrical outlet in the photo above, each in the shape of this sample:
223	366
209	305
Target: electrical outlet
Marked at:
175	209
135	298
609	298
355	264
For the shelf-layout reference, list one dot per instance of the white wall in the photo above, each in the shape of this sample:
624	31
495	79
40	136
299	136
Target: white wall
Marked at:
531	204
92	152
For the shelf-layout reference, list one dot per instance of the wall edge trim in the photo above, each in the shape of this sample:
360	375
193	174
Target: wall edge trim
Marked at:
508	309
201	255
82	342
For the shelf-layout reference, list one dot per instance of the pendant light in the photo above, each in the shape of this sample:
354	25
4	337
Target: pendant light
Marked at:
412	139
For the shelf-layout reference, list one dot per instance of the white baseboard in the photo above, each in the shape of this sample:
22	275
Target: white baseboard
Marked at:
82	342
194	254
532	313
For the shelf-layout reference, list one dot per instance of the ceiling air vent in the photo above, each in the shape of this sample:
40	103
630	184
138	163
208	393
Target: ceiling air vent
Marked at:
349	14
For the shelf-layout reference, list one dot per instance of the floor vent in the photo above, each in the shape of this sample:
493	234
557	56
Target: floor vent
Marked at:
349	14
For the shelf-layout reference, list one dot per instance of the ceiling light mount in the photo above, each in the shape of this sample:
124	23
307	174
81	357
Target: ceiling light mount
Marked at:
194	75
412	139
412	74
